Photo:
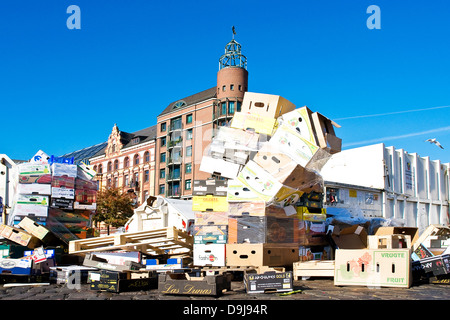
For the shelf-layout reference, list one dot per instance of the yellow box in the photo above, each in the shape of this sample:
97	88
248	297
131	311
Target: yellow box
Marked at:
304	213
209	203
258	123
267	105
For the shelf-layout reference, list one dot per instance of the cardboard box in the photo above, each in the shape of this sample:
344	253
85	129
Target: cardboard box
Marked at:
373	267
237	139
286	171
210	187
204	234
255	208
66	204
325	136
29	199
37	230
266	105
219	167
238	191
259	254
299	121
354	237
209	255
34	189
220	150
391	241
254	122
268	282
183	284
34	178
413	232
293	145
209	203
16	266
64	169
86	184
437	265
85	196
91	260
19	236
126	285
63	182
204	218
266	229
72	274
26	169
83	206
63	193
85	171
311	214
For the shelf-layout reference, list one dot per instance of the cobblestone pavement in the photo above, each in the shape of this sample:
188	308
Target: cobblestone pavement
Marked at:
313	289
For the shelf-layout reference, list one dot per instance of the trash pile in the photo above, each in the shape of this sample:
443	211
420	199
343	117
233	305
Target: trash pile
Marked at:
54	202
260	220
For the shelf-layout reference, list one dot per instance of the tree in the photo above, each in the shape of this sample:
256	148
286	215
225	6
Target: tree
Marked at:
114	208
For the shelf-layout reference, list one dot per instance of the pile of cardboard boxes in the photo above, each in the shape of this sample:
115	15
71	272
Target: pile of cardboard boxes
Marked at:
266	201
54	204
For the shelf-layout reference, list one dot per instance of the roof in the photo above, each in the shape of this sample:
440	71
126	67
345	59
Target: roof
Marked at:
192	99
86	153
144	135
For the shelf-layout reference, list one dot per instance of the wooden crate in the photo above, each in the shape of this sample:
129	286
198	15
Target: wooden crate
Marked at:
153	242
313	268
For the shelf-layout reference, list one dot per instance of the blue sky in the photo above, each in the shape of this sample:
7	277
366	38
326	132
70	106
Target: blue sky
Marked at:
62	90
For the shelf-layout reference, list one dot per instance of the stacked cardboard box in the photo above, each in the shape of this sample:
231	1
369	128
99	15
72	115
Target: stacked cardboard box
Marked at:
56	193
270	157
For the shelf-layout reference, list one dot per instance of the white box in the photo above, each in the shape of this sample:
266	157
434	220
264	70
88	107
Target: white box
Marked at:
267	105
30	210
65	193
209	255
293	145
299	121
64	169
34	188
219	167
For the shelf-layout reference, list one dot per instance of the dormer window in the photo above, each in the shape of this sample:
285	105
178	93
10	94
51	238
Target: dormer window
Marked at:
178	104
135	140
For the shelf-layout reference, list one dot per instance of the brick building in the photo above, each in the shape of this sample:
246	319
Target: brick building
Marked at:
186	126
128	162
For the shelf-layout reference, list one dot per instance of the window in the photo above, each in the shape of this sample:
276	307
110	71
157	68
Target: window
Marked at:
109	168
126	162
224	108
189	118
100	168
135	140
147	156
162	189
188	168
189	151
162	157
145	195
162	173
136	159
116	182
126	181
231	107
238	107
108	182
146	175
223	88
163	142
240	88
163	126
231	87
116	164
188	184
189	134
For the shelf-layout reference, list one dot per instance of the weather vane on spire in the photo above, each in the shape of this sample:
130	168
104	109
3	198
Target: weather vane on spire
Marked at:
234	31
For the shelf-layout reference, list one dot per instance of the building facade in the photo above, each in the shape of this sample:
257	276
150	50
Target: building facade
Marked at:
128	162
186	126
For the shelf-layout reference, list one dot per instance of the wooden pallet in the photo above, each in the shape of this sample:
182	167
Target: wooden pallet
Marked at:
152	242
313	268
